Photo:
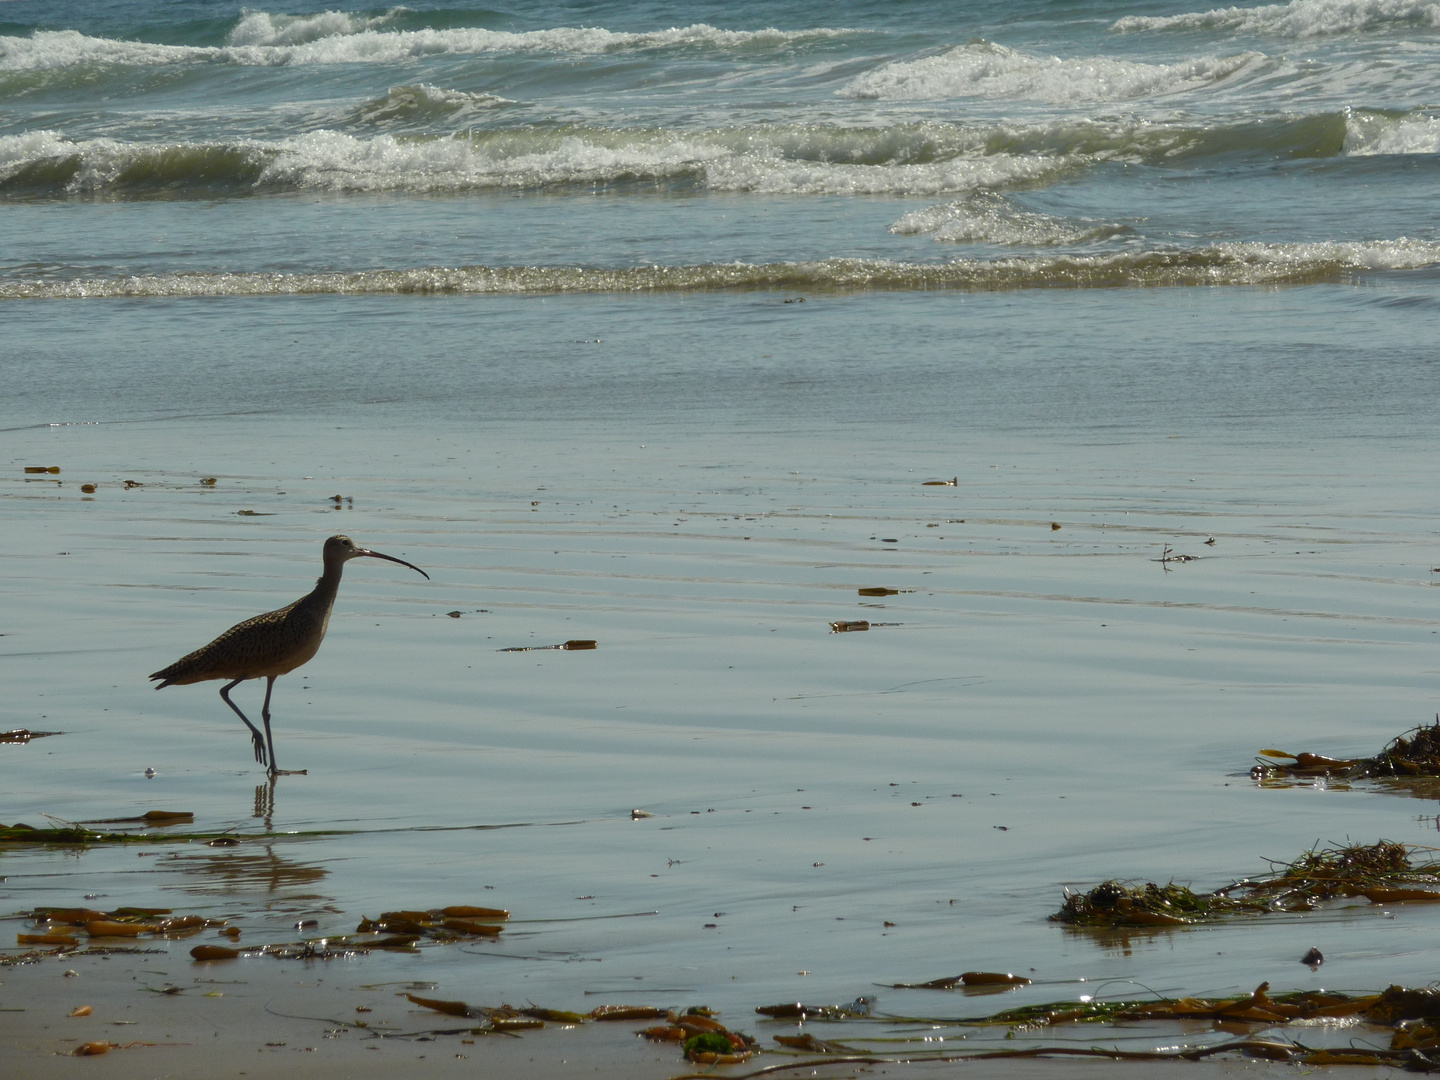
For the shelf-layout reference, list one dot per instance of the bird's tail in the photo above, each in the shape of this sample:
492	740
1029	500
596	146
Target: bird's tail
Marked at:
176	672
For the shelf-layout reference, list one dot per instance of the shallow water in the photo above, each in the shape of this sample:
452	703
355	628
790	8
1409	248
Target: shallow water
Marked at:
1039	708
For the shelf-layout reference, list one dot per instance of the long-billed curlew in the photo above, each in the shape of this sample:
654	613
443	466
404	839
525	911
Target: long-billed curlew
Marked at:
272	644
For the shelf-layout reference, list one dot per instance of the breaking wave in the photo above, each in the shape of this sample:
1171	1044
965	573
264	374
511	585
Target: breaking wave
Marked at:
907	159
1297	19
783	161
987	218
337	38
1370	133
422	102
1238	264
984	69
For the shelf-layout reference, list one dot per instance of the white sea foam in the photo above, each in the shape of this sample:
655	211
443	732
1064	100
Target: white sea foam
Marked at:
98	161
17	151
984	69
53	49
340	162
781	177
1298	19
261	40
1368	134
1220	265
421	100
988	218
262	28
781	162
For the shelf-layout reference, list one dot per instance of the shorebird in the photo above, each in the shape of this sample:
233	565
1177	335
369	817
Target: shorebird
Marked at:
269	645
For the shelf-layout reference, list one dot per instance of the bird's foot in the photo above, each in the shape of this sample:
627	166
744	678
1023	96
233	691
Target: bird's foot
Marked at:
260	755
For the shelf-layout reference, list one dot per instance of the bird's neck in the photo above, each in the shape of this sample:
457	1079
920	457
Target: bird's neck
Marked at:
327	585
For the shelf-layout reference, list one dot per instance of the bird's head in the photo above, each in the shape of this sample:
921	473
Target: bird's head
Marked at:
341	549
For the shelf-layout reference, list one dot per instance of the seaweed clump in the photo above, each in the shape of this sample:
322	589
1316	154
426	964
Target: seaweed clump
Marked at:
1382	872
1113	903
1418	755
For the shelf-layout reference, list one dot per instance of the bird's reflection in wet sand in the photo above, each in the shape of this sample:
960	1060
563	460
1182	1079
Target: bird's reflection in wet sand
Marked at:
265	803
251	870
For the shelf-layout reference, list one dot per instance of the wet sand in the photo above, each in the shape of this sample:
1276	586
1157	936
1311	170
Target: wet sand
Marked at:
266	1018
830	814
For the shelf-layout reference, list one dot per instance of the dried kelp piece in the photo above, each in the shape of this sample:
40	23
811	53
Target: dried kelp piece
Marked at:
470	926
856	1010
973	979
24	735
554	1016
467	911
63	834
512	1024
112	928
1413	754
1308	765
150	817
574	645
457	922
215	952
664	1033
627	1012
365	942
125	922
811	1045
449	1008
71	834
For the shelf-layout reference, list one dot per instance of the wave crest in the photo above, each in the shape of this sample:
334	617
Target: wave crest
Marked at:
421	101
988	218
1244	264
1368	134
780	161
984	69
262	28
1297	19
262	40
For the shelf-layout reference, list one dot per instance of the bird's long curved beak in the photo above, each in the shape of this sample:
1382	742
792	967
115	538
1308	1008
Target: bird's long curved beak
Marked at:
391	558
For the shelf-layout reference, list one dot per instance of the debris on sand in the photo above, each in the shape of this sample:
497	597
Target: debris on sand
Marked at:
1416	753
1382	872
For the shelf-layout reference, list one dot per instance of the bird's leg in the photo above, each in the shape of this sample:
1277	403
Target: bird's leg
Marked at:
265	715
255	736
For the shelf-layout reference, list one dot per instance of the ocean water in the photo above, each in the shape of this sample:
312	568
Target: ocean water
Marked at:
647	324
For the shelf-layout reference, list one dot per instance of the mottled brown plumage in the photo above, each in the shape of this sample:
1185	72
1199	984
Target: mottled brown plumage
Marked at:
270	645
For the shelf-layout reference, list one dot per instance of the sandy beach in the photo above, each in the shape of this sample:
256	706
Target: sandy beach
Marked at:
973	437
266	1018
810	828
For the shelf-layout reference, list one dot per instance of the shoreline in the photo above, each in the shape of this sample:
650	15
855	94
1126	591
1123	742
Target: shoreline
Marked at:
247	1019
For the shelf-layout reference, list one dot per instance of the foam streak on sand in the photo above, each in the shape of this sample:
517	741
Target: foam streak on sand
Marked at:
1222	264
